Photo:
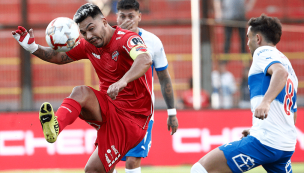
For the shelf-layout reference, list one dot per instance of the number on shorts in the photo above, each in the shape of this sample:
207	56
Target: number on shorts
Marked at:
288	96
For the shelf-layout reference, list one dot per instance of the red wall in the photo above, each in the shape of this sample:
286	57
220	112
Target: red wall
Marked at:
22	145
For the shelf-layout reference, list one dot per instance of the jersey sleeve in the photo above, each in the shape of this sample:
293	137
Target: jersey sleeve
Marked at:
133	44
265	58
78	52
159	60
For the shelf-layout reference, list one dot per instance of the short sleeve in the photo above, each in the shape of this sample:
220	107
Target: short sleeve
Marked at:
78	52
159	60
265	58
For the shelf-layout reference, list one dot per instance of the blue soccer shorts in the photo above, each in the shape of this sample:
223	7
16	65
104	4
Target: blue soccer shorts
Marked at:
249	152
142	149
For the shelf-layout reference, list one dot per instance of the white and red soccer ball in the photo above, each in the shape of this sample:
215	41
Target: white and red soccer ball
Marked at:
62	34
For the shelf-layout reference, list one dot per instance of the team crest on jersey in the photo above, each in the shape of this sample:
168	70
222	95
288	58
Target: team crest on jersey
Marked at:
134	40
141	48
115	55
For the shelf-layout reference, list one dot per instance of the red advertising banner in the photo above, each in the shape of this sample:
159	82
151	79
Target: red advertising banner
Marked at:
22	145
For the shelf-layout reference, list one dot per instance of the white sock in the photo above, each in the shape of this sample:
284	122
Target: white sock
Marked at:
136	170
114	171
198	168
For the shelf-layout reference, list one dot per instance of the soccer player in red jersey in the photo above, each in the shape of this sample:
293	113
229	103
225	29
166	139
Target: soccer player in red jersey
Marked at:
121	109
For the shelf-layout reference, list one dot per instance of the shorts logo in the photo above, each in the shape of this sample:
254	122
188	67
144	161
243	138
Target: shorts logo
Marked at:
115	55
243	162
117	155
96	126
288	167
141	48
134	40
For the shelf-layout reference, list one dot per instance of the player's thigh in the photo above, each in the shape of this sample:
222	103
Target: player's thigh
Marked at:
86	97
94	164
215	162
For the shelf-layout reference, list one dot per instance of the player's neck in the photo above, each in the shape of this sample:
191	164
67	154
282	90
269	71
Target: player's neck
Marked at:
137	30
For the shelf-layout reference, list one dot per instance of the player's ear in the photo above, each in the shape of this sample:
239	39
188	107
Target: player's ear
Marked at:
139	16
258	38
104	21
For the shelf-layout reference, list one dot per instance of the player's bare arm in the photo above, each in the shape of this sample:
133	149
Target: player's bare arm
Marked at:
295	117
167	91
27	41
52	56
278	80
140	66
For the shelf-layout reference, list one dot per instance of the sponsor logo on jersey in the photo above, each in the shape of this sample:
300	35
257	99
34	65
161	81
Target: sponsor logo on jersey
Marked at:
141	48
117	38
96	56
134	40
115	55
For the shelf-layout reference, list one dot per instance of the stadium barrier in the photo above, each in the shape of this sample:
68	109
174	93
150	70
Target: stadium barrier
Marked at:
22	145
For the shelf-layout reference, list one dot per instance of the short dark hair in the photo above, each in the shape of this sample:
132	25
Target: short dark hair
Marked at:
85	11
127	5
269	27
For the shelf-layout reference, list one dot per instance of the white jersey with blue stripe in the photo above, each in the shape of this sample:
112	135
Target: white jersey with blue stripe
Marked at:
157	52
277	130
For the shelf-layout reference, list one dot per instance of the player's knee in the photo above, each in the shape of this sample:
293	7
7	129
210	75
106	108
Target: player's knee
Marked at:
198	168
80	94
93	169
133	162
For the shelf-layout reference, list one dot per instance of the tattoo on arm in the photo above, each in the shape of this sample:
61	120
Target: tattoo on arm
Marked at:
166	87
45	54
50	55
65	58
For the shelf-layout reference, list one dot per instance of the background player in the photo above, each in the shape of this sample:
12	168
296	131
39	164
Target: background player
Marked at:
123	106
273	87
128	17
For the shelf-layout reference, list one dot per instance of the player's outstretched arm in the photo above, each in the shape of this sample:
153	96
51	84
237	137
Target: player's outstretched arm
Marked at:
27	41
278	80
167	92
139	67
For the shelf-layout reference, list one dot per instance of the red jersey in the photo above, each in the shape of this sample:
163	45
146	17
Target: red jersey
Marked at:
111	62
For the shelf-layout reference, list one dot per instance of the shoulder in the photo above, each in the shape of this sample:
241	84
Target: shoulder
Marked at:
149	36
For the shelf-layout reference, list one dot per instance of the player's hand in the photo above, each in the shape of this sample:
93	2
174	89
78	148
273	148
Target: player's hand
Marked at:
25	39
129	25
115	88
245	133
261	112
172	123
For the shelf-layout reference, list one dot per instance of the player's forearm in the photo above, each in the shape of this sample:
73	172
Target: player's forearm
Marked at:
295	117
52	56
139	67
166	88
277	83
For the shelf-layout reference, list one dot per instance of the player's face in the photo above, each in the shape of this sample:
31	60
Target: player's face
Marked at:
252	41
129	19
94	30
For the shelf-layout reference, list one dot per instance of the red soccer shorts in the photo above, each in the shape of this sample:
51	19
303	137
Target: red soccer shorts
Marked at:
116	135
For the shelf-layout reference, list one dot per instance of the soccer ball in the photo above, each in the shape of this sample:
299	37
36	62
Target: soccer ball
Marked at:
62	34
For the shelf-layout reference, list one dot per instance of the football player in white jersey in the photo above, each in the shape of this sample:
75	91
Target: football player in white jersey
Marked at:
128	17
273	91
